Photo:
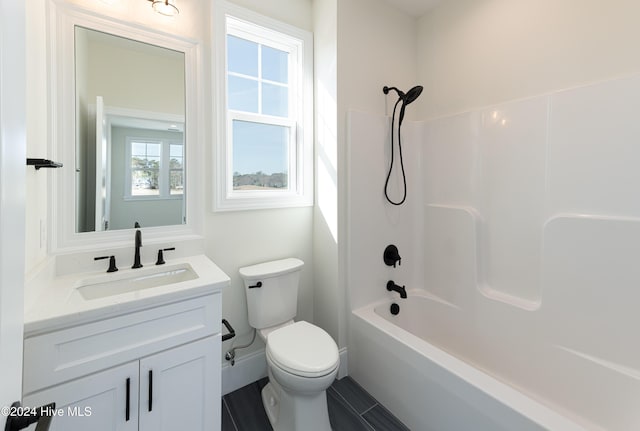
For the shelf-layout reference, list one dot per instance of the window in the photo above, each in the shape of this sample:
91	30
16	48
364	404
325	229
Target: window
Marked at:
145	168
265	155
155	169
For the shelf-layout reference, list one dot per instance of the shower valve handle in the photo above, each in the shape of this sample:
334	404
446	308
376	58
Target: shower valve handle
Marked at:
391	256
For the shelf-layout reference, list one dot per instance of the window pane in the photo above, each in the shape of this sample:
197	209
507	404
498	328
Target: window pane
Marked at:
175	150
260	156
144	182
176	158
152	163
154	149
275	100
139	149
242	56
275	65
144	154
176	182
243	94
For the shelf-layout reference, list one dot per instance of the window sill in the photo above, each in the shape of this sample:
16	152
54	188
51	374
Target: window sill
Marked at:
257	203
152	198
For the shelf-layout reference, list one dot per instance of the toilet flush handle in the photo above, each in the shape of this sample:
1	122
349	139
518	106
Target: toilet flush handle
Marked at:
258	284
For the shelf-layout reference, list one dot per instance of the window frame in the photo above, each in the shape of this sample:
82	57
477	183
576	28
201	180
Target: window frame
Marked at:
245	24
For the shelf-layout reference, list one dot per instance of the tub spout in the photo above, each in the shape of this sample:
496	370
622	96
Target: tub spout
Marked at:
391	286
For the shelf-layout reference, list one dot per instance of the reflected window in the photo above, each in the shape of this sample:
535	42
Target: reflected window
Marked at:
155	169
176	169
145	168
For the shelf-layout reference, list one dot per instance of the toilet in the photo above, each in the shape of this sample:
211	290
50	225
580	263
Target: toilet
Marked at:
302	359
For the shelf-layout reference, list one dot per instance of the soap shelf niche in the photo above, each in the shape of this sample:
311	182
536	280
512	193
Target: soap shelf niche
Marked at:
43	163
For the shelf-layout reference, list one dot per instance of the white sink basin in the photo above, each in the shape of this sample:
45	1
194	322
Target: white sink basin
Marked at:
134	280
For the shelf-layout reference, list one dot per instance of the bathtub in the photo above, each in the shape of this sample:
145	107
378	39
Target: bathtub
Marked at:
430	389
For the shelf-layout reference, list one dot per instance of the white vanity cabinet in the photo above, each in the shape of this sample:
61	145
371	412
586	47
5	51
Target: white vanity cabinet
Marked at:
96	402
176	388
153	369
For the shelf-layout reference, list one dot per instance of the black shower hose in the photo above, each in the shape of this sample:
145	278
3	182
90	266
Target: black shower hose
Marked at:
404	178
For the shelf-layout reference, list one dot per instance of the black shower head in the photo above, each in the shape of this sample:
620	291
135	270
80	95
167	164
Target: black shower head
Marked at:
407	98
412	94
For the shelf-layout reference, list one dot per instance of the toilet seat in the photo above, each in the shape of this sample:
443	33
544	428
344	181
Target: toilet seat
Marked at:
302	349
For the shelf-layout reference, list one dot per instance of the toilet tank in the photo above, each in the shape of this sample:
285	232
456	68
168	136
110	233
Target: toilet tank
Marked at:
275	301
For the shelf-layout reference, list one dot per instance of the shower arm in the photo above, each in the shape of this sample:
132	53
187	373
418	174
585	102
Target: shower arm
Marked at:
386	90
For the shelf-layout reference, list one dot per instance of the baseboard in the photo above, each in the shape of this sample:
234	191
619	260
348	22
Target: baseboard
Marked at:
343	370
252	367
247	369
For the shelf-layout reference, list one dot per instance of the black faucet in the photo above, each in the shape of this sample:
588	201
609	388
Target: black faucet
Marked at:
391	256
136	258
391	286
160	260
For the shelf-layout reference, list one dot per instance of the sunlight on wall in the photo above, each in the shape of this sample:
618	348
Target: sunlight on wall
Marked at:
327	157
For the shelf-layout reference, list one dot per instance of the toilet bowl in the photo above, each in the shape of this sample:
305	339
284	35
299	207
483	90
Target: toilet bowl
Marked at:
302	359
302	362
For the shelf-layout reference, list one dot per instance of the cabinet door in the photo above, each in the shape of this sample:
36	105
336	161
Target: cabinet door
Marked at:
98	402
180	388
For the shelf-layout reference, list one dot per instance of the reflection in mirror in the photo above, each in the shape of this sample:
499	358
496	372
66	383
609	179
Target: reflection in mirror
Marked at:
130	146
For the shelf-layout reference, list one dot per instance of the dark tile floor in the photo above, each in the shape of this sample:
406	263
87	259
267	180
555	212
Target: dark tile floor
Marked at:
350	408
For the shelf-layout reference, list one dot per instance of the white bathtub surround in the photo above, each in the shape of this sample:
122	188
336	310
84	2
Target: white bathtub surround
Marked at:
428	387
374	223
528	237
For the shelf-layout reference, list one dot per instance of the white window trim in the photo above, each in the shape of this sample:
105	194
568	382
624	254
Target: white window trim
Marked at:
300	175
164	170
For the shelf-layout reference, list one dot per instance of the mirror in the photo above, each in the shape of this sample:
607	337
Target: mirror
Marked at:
130	133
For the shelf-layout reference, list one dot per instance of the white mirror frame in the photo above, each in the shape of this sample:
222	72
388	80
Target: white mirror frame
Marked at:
63	237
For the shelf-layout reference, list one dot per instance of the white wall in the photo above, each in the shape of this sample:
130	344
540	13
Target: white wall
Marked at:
13	85
37	134
328	299
376	47
133	75
473	53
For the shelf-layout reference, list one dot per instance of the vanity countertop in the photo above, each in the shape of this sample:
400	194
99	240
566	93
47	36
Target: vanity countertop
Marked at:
59	303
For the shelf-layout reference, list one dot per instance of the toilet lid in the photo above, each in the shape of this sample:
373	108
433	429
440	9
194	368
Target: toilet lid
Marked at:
303	349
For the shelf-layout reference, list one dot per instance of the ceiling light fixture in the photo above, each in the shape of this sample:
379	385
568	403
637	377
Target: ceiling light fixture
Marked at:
165	7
